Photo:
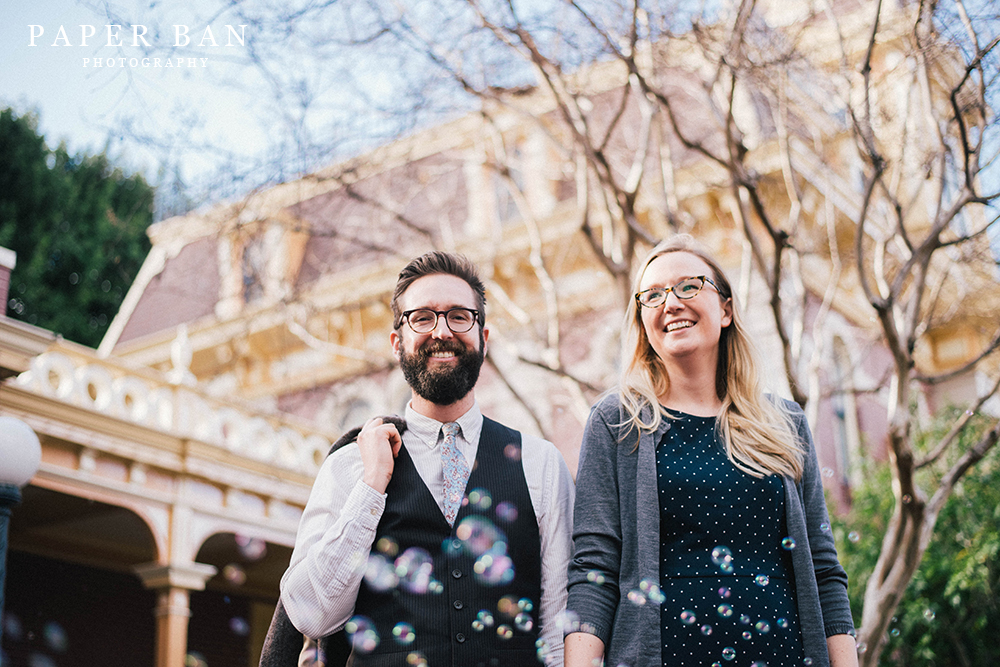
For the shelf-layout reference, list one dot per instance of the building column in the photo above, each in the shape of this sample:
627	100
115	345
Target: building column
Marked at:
173	584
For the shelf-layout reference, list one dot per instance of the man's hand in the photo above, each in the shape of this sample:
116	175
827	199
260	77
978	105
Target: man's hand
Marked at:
379	444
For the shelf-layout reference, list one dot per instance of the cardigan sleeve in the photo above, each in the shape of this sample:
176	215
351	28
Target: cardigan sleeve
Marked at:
597	532
831	579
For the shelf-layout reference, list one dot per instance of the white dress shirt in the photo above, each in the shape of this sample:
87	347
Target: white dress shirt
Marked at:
340	519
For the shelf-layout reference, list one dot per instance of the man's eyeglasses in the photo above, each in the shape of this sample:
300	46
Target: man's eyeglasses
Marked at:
425	320
654	297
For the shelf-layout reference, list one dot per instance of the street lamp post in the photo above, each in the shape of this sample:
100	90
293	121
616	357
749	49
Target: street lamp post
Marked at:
20	454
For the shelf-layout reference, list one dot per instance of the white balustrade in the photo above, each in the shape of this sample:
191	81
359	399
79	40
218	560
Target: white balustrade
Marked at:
176	410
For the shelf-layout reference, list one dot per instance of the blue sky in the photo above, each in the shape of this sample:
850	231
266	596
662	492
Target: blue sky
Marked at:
84	105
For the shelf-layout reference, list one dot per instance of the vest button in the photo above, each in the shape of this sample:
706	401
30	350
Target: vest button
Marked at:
457	604
460	638
456	573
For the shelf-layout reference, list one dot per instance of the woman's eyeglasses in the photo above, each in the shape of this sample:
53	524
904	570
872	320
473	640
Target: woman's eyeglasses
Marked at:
654	297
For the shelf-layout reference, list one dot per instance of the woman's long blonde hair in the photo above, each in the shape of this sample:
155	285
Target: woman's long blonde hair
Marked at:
758	436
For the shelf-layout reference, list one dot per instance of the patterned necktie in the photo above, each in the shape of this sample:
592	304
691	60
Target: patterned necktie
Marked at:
456	472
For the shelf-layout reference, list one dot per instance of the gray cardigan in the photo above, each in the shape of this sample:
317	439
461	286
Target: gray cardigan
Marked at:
617	517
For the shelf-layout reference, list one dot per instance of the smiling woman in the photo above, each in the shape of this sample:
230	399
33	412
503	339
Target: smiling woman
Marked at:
725	476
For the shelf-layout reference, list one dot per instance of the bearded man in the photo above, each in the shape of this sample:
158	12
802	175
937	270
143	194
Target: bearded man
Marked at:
395	549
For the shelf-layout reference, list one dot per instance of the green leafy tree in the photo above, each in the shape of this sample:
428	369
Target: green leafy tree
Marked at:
78	225
950	613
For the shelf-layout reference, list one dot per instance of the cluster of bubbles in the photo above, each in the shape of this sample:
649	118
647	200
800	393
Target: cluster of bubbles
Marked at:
411	571
722	557
483	540
514	612
53	635
251	549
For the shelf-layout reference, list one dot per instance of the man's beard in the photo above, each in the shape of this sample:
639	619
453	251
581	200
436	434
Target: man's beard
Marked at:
444	385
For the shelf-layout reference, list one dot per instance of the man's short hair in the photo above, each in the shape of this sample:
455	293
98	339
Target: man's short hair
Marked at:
439	262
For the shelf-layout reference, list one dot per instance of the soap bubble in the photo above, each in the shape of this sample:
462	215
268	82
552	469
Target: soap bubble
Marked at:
722	555
762	580
725	611
929	614
763	627
507	511
234	574
416	659
728	653
387	546
252	548
543	652
361	634
688	617
12	626
192	659
567	622
480	499
724	592
782	623
478	535
414	569
788	543
508	606
504	632
55	637
525	604
744	619
403	633
853	536
524	622
636	597
595	577
512	452
652	591
747	635
239	626
380	573
494	569
706	629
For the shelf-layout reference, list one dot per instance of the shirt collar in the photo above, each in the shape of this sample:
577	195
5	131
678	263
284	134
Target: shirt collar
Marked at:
428	430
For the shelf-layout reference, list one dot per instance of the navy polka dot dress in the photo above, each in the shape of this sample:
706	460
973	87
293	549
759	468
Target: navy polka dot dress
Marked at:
725	562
